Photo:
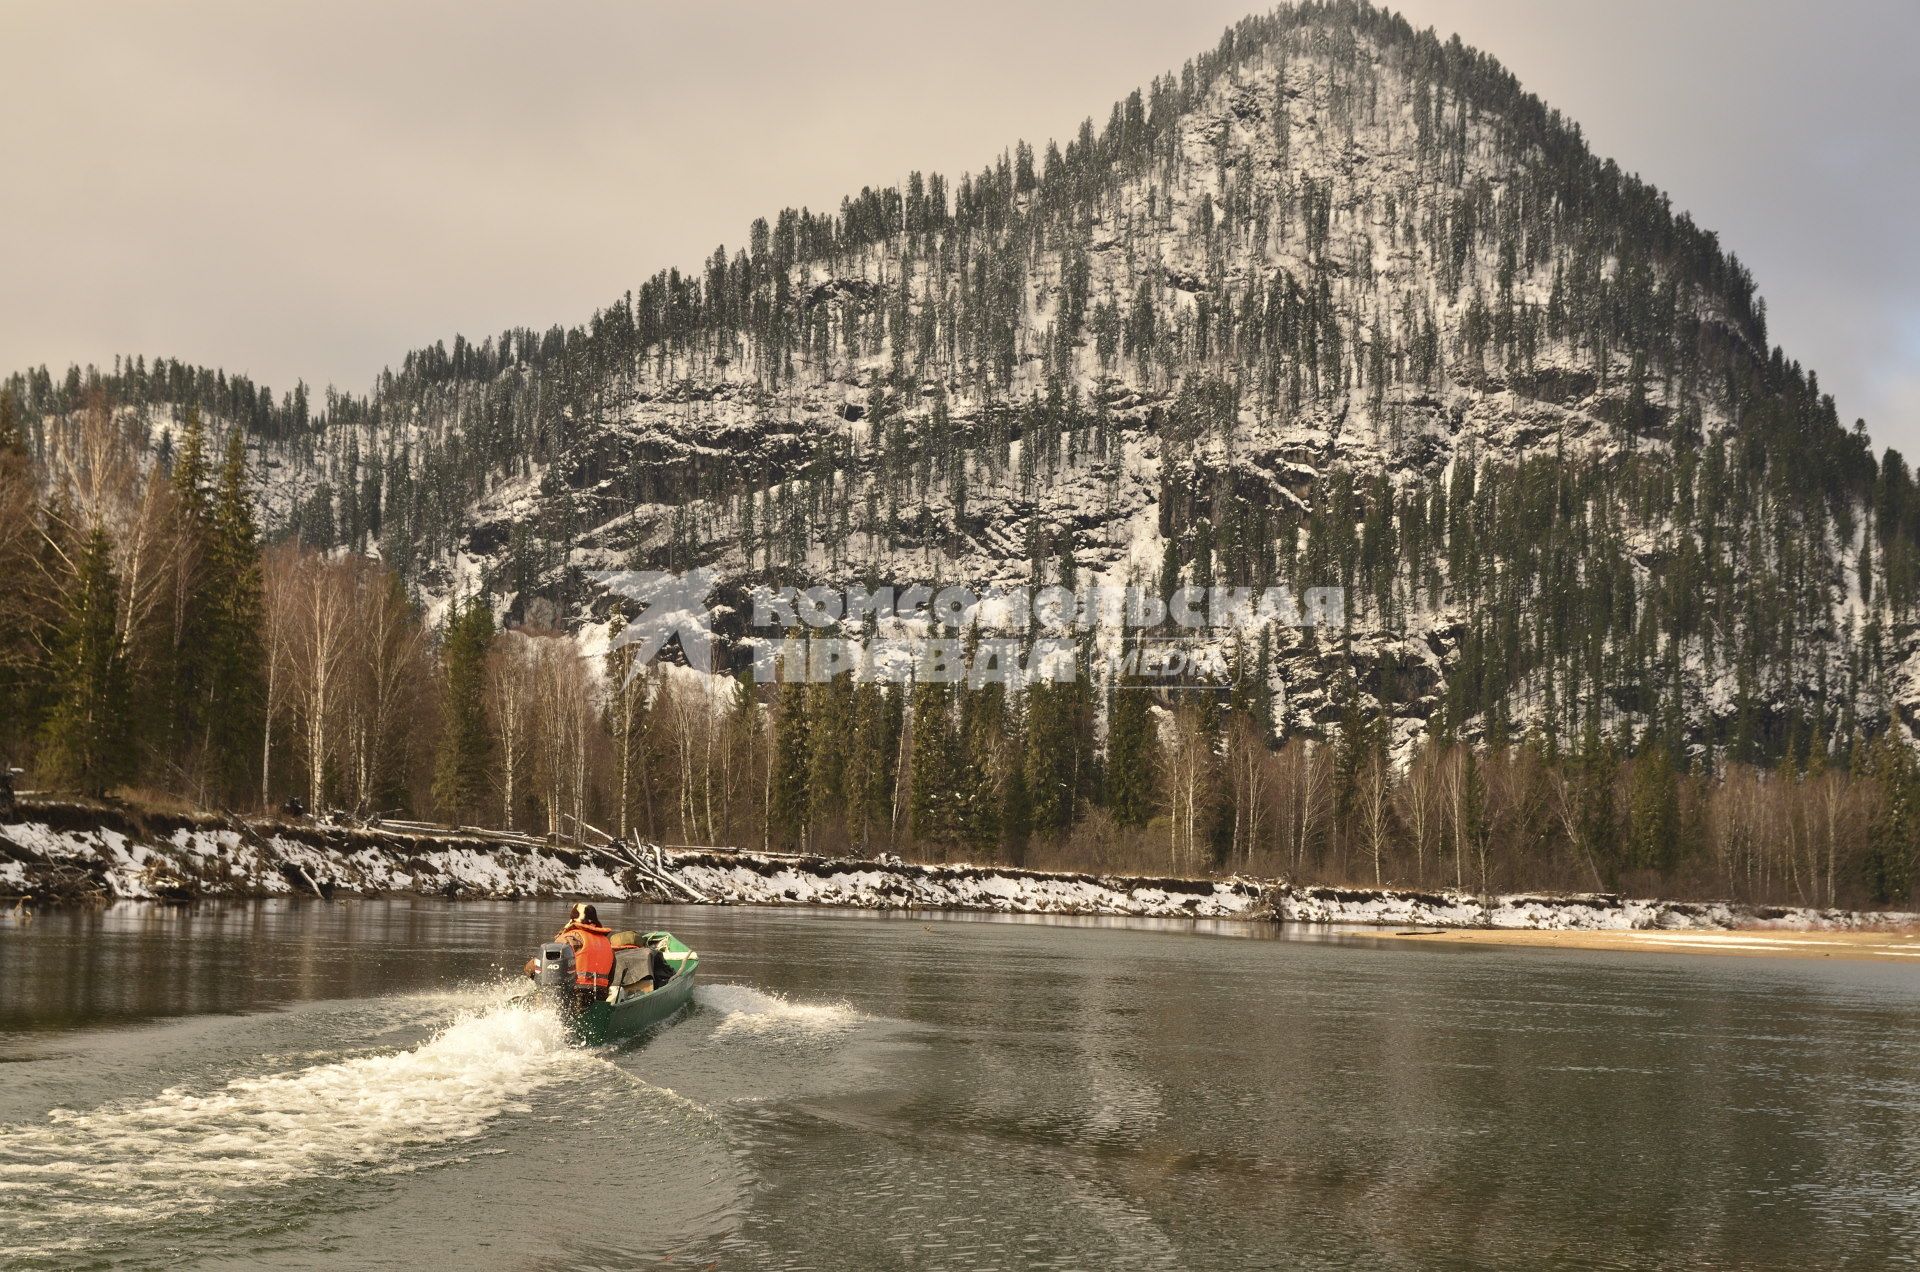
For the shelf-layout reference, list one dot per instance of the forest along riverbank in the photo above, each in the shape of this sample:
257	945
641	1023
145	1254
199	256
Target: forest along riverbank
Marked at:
54	853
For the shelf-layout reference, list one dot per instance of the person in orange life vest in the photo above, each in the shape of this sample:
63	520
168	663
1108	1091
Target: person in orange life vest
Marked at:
592	951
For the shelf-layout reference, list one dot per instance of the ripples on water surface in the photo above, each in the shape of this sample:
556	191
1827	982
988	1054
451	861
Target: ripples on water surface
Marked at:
284	1085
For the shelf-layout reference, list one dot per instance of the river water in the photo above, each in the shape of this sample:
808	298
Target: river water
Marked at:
295	1084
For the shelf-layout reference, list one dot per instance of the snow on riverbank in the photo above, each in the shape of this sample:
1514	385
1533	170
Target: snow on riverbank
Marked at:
66	853
1557	912
760	879
74	853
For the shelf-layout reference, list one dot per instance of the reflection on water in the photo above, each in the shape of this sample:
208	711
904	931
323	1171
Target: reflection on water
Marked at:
289	1083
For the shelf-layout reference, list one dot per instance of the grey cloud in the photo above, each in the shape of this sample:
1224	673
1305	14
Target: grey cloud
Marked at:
309	190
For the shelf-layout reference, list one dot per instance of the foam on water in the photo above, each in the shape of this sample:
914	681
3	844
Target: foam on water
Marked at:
756	1013
186	1149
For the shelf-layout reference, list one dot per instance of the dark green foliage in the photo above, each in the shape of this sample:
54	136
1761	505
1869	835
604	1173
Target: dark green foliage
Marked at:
790	815
1653	811
1131	752
1893	836
934	805
228	661
25	620
873	764
1060	764
87	742
462	782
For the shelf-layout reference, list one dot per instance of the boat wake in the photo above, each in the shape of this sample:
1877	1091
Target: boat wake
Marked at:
755	1013
190	1150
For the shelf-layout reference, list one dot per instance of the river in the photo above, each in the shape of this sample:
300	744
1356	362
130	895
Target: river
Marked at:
291	1084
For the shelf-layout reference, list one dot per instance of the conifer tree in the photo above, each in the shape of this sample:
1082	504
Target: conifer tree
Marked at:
932	801
872	756
983	751
1059	734
22	619
463	767
1653	809
829	714
1131	745
177	695
790	809
235	692
1893	836
86	740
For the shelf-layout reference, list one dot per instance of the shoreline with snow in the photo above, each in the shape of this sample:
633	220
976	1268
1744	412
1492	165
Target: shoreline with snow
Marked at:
1558	912
77	854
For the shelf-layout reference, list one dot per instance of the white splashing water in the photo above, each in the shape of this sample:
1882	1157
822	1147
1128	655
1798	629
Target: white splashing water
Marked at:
186	1150
756	1013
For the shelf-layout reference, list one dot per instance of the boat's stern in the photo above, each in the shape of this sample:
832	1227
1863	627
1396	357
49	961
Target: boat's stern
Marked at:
553	975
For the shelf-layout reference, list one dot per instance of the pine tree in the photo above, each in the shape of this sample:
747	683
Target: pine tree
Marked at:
87	742
1049	758
830	722
1016	801
463	767
1131	748
192	472
183	692
23	676
932	807
983	747
790	812
1653	816
235	689
1893	836
873	750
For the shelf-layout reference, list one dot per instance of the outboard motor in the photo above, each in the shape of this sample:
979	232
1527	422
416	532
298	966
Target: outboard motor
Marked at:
553	971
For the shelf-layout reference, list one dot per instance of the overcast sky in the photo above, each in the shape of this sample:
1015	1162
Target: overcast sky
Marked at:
308	190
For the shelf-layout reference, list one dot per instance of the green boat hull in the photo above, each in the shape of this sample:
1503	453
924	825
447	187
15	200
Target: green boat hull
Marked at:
635	1014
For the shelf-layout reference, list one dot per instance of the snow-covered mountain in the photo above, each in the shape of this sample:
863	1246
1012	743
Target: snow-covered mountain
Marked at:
1335	303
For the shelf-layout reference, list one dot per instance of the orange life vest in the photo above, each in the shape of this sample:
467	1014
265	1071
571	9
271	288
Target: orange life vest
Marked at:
592	954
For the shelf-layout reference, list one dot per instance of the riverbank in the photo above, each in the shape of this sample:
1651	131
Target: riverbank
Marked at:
1560	912
1891	946
59	853
63	853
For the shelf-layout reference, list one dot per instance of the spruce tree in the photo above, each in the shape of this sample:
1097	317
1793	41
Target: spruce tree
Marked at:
872	755
87	740
980	780
23	619
790	807
1131	748
933	800
1888	867
829	713
234	659
1653	818
1596	820
463	766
